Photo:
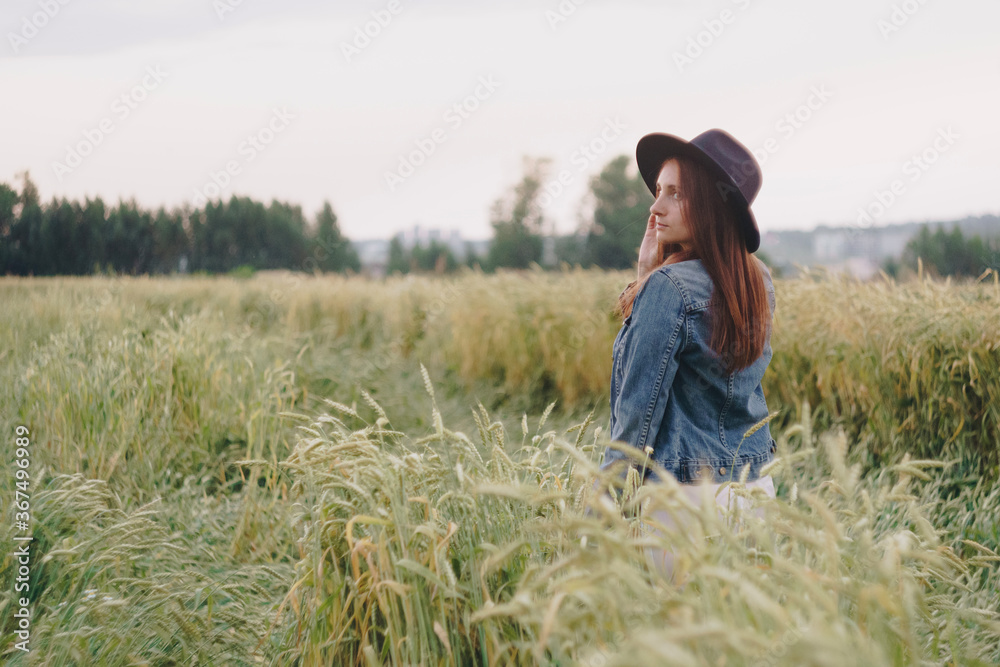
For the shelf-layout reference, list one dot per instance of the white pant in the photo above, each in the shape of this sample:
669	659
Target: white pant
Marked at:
663	560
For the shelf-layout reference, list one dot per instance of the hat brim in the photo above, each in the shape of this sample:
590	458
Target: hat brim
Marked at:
653	149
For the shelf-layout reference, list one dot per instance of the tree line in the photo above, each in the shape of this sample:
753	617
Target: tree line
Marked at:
64	237
944	253
72	238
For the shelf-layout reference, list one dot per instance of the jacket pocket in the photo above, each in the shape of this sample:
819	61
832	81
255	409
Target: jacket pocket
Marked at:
616	356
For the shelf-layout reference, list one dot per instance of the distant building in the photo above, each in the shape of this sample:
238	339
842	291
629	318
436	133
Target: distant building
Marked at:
829	245
892	242
855	250
859	267
548	251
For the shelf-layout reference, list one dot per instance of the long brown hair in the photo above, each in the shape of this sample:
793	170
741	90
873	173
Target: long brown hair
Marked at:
741	313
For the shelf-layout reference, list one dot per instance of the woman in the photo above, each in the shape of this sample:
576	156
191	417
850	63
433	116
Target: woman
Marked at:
695	342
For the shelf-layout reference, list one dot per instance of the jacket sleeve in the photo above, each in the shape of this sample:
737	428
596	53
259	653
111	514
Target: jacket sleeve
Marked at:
650	357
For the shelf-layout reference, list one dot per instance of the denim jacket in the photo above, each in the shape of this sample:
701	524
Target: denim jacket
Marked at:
667	387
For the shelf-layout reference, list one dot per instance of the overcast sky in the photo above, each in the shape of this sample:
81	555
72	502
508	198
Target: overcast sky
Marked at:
156	99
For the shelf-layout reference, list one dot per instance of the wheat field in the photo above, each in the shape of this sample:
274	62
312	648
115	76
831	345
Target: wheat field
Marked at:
320	470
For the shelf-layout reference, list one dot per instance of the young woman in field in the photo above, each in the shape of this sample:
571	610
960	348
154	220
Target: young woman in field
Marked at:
695	341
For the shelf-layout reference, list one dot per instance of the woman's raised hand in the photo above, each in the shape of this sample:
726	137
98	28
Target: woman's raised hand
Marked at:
650	252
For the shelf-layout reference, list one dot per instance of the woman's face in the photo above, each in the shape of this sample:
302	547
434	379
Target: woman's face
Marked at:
671	227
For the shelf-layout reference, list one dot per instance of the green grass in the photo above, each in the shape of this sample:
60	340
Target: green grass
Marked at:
298	471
